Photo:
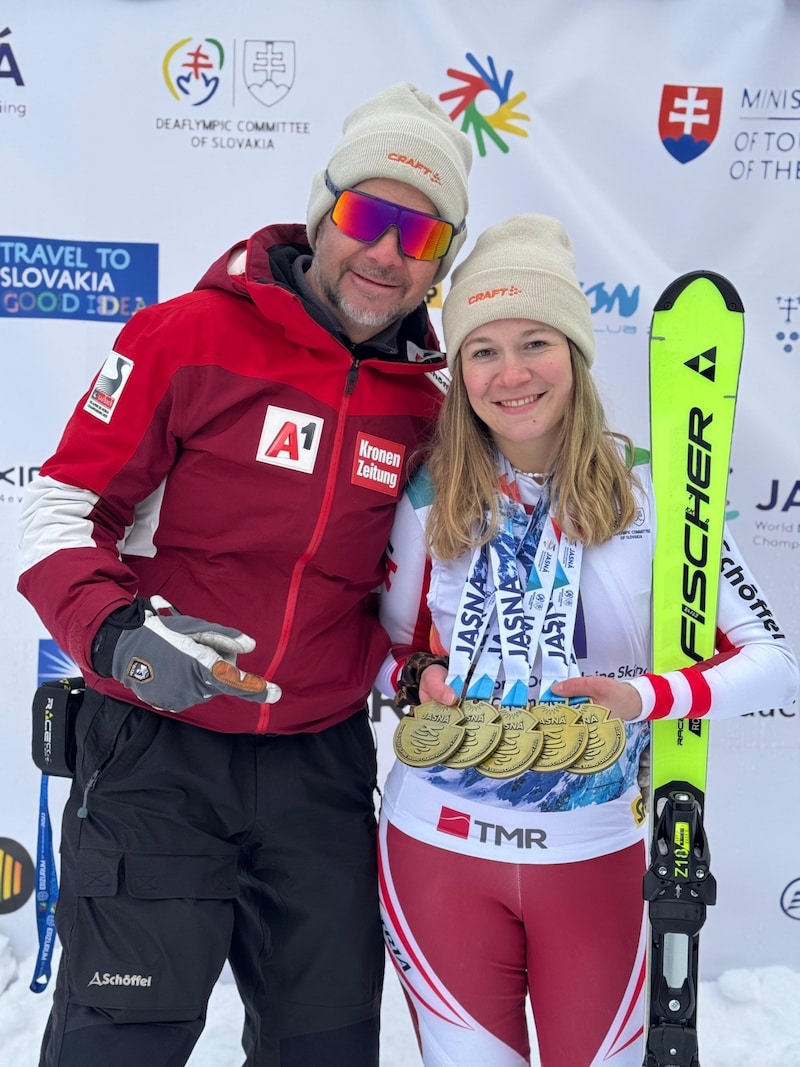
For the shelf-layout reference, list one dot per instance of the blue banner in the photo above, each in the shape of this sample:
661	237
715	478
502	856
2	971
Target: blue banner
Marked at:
43	278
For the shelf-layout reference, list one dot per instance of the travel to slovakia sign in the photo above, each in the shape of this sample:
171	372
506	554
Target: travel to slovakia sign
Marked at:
44	278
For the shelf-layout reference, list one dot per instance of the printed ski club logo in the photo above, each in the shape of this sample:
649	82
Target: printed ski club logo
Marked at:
689	119
108	388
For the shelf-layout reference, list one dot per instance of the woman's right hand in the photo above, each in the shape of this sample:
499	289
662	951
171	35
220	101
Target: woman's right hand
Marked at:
432	686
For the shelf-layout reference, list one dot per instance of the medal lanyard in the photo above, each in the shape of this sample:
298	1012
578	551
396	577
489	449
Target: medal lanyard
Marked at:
475	612
46	893
558	654
498	619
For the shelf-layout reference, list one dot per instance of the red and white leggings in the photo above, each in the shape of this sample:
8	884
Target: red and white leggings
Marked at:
471	938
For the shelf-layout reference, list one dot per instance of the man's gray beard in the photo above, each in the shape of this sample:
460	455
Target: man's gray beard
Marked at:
359	315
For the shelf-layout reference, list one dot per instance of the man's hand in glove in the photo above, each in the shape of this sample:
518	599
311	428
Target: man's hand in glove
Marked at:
172	661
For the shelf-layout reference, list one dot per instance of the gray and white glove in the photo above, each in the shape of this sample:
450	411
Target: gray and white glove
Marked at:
173	661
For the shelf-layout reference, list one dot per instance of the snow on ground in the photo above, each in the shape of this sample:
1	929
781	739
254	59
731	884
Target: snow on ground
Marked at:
747	1018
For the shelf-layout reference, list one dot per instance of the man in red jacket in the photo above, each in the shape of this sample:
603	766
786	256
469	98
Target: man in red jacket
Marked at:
205	543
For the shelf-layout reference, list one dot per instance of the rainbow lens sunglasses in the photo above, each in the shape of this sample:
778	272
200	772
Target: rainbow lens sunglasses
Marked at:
367	218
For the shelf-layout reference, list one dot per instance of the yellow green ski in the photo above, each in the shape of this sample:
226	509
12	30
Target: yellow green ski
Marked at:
696	341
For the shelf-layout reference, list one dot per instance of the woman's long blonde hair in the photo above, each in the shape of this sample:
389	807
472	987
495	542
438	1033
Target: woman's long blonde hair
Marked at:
590	490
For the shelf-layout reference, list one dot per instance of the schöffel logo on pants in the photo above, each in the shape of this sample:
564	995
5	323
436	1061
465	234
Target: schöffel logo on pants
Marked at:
121	979
458	823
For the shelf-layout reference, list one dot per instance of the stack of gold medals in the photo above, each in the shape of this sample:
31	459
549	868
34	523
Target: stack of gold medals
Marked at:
504	742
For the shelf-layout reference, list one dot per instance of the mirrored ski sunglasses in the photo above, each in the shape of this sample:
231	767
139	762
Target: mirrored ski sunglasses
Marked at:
367	218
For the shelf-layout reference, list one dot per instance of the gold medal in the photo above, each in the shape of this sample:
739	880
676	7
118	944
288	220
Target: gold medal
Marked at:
519	746
483	733
565	736
430	735
606	740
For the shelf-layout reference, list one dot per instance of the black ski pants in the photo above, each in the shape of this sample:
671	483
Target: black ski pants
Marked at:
181	848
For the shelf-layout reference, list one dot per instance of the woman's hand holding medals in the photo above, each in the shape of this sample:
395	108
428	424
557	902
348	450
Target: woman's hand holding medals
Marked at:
622	700
433	686
583	738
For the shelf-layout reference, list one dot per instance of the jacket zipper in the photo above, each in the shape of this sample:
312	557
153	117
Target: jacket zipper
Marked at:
352	377
313	544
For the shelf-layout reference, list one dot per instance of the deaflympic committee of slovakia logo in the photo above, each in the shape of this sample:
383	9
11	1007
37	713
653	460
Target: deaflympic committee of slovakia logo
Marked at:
688	120
493	117
193	69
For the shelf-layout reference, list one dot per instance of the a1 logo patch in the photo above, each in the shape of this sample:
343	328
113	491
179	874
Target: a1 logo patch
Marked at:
290	439
377	464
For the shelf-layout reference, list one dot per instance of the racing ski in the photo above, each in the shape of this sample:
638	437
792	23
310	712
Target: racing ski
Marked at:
696	341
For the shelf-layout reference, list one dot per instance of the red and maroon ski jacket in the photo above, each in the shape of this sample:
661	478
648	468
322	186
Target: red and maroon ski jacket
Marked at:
237	458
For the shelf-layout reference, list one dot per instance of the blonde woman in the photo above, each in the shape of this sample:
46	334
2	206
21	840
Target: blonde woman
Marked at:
519	571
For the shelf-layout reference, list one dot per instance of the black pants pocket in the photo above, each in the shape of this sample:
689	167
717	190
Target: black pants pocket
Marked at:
151	934
112	735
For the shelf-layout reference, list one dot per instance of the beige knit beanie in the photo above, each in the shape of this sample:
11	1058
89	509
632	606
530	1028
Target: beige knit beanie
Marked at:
523	268
403	134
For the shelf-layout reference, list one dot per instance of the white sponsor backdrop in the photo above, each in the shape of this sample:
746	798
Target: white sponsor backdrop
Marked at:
188	124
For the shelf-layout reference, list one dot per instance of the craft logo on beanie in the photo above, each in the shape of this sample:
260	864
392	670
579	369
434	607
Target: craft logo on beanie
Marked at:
402	134
510	290
523	268
434	176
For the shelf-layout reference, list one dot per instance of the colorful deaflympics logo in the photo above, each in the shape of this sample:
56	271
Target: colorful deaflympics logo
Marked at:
688	120
192	69
196	69
484	104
